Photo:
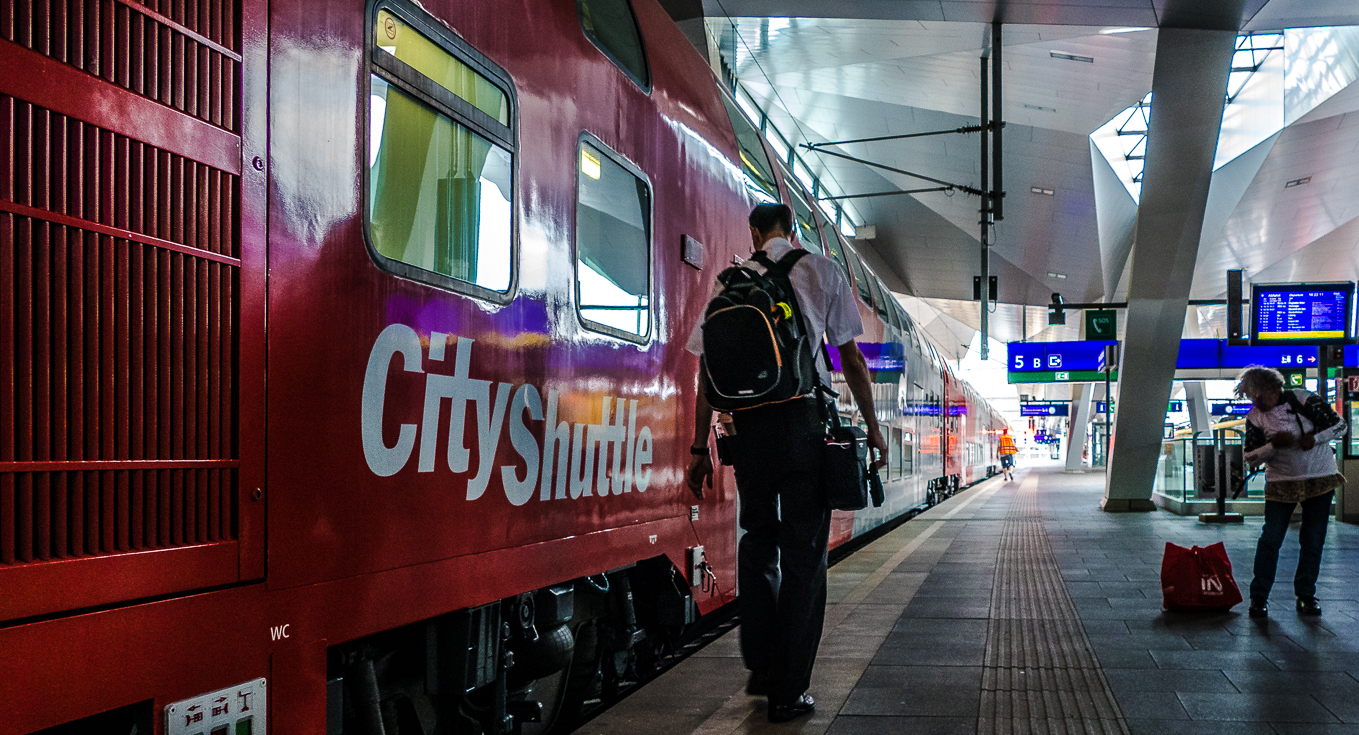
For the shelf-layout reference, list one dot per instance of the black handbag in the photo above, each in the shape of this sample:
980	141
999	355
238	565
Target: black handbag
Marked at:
844	467
846	474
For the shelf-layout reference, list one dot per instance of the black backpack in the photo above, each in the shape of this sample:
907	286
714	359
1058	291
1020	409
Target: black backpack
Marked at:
756	350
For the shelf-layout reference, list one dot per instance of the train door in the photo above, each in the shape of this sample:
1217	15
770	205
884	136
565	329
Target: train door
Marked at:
132	141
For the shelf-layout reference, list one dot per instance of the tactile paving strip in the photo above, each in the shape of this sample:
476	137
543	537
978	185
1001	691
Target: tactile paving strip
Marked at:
1040	674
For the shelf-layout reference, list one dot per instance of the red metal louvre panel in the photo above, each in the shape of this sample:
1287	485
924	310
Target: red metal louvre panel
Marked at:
186	60
121	288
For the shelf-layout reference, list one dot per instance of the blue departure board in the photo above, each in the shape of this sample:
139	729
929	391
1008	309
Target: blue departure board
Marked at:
1302	313
1044	409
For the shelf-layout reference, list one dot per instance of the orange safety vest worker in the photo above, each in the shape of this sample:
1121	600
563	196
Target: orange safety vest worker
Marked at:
1007	445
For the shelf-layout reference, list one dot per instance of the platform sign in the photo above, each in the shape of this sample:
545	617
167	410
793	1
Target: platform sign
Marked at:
1173	407
1101	324
1302	313
1057	362
1275	356
1044	409
1229	408
1216	354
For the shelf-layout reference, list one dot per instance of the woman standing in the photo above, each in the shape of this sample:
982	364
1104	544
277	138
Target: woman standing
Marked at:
1289	431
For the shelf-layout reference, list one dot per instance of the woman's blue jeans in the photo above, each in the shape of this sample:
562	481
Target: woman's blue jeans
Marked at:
1316	512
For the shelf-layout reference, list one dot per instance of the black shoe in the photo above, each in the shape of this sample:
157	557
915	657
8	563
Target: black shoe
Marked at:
1259	607
803	705
758	684
1309	606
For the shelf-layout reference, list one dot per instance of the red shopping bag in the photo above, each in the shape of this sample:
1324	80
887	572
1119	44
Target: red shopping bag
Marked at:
1198	579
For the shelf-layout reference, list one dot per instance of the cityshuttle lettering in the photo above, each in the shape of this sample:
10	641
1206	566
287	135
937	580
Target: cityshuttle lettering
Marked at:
574	460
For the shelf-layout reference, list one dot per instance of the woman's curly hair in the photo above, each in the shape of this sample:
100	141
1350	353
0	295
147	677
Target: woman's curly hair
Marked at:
1256	379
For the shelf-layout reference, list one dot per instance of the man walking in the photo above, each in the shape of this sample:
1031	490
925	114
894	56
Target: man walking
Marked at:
781	565
1008	450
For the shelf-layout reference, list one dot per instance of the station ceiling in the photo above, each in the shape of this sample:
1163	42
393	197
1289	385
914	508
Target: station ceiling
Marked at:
861	68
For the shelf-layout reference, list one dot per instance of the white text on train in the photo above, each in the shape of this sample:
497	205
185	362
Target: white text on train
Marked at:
570	453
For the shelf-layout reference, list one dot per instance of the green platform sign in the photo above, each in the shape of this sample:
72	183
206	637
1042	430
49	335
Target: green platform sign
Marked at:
1101	324
1061	376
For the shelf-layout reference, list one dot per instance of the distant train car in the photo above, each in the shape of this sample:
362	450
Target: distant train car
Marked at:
342	384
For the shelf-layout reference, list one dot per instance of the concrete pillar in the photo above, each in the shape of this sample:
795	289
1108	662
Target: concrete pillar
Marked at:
1189	83
1078	424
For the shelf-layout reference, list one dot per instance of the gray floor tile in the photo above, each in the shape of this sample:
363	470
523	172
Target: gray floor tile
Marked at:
1151	706
1293	682
1343	703
861	725
1307	728
1160	680
927	653
1255	707
1105	627
1212	660
929	691
1140	641
1119	658
1311	661
945	627
1187	727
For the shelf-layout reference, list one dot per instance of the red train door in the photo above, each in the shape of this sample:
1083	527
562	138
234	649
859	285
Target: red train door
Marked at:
132	190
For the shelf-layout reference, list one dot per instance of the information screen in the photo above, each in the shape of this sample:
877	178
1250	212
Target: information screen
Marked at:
1229	408
1307	313
1043	409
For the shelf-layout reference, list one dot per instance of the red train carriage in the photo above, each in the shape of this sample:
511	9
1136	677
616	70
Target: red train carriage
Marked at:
343	385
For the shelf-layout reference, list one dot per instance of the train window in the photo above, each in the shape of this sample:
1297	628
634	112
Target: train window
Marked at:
860	277
894	455
440	159
878	296
893	308
907	454
611	26
758	175
805	223
776	141
804	174
836	250
613	244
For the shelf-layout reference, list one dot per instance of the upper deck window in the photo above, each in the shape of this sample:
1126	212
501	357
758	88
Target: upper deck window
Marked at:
836	251
758	174
861	278
611	26
805	224
440	159
613	244
441	67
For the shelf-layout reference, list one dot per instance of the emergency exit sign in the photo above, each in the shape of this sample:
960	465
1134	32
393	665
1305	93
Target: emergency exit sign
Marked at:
1101	324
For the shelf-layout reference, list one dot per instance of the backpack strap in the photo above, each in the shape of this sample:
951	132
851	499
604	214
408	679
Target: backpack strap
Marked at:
778	272
1310	405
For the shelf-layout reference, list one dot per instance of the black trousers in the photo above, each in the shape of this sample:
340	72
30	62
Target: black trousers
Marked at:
781	566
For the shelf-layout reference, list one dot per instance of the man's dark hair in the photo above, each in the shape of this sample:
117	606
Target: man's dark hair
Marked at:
765	217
